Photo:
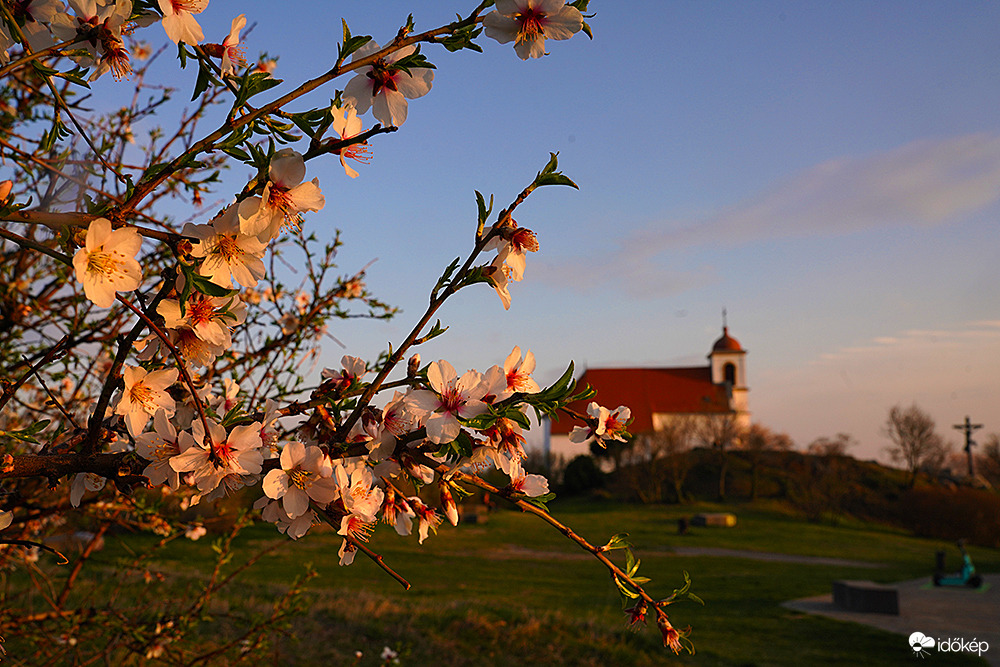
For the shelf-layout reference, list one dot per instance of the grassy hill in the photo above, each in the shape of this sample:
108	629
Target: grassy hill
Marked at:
513	591
828	489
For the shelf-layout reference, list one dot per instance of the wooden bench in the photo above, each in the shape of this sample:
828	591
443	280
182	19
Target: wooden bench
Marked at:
866	597
723	519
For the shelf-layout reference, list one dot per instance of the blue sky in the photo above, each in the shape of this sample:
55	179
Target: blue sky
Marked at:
827	172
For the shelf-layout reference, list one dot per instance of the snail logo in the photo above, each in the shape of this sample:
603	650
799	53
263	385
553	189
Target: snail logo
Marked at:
919	643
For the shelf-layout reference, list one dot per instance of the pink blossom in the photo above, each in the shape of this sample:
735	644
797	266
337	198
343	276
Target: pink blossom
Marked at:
211	318
233	53
518	372
107	264
453	398
284	198
529	22
145	393
178	21
228	253
384	86
305	475
215	455
347	125
530	485
158	447
426	516
605	425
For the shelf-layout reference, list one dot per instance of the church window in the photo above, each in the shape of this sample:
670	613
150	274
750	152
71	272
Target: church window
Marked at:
729	373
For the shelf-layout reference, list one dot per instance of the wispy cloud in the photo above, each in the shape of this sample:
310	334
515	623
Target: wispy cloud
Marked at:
923	183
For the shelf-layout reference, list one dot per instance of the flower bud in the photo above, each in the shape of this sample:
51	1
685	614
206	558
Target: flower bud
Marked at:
413	365
448	504
5	188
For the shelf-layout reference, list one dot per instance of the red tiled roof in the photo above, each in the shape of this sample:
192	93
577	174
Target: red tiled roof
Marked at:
649	390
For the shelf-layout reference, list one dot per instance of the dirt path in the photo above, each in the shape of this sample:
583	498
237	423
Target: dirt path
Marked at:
772	556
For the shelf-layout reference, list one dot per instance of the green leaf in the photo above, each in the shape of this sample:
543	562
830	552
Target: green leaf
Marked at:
458	448
350	44
555	179
519	418
623	586
28	434
462	39
484	212
237	153
75	76
445	277
201	83
435	331
476	275
631	564
540	501
481	422
202	284
549	175
253	83
414	60
618	541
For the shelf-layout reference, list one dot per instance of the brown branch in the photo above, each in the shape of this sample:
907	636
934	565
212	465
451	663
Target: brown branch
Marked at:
58	96
598	552
97	418
35	55
199	408
34	245
332	518
437	301
39	545
115	466
71	579
377	559
56	220
144	187
10	390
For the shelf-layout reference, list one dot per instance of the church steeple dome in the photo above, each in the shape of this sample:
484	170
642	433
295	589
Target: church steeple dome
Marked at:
727	343
728	360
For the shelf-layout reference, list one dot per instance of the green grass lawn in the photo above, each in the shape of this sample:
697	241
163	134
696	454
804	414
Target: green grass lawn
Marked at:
514	591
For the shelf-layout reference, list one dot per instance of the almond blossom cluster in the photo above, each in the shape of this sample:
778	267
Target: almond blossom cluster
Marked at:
100	27
306	479
198	440
348	455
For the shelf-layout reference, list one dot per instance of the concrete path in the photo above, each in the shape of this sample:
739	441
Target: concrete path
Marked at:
940	613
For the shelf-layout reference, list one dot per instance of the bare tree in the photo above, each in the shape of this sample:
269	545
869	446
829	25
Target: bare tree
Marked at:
835	446
675	440
758	441
988	461
915	442
721	432
821	485
659	458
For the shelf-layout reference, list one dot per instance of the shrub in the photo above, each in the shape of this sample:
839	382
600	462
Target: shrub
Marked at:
581	476
950	514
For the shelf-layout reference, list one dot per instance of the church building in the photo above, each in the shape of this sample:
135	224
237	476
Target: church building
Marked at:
656	395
